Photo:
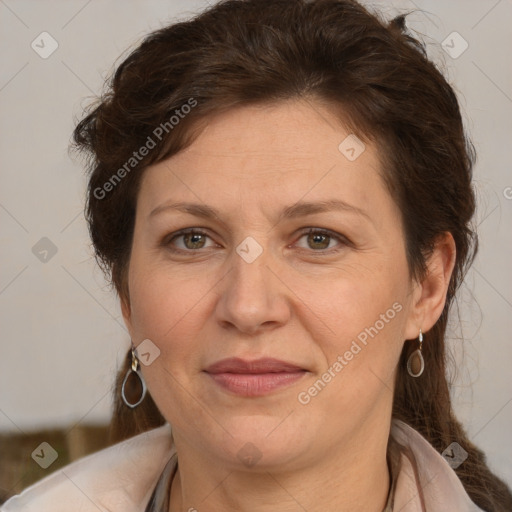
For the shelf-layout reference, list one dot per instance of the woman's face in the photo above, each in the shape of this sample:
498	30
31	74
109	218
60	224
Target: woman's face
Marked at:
333	306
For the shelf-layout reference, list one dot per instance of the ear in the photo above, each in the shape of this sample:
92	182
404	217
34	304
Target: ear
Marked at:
429	296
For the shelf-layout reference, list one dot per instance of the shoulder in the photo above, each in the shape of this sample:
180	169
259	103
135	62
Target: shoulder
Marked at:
118	478
425	478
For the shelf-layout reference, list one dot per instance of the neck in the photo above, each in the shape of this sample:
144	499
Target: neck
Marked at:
354	478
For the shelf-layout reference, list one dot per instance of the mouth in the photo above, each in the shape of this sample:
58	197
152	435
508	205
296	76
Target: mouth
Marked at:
254	378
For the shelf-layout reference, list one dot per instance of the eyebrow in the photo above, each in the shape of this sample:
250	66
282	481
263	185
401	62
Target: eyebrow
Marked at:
299	209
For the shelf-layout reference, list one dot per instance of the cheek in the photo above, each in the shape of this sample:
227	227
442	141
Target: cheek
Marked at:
161	298
165	308
359	318
359	356
349	301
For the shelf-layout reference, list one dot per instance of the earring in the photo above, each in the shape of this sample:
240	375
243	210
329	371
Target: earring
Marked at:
133	385
416	363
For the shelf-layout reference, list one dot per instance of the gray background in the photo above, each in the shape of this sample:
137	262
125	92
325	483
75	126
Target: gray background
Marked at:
62	334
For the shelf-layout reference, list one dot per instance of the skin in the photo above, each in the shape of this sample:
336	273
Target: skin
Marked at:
303	300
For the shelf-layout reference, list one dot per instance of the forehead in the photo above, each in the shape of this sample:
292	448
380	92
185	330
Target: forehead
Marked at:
269	154
290	132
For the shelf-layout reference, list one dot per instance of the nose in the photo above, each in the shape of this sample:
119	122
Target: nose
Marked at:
253	297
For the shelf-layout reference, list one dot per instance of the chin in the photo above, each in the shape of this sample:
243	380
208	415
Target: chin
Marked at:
263	442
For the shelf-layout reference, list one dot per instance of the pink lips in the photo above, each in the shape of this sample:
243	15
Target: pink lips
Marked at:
254	378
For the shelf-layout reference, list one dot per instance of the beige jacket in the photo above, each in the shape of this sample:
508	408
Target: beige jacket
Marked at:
122	478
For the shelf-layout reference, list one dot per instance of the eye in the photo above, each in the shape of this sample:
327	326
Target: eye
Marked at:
192	239
319	239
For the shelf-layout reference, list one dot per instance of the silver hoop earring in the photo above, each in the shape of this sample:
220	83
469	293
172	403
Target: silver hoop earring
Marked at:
416	363
133	384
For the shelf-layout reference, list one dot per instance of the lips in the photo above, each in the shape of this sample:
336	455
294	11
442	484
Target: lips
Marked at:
264	365
254	378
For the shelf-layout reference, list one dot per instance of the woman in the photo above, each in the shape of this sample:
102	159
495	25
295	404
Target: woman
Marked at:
280	191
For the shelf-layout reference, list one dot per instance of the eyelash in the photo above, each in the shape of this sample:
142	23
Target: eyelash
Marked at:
196	231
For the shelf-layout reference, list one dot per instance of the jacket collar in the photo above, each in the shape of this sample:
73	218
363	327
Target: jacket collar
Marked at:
421	479
127	476
426	481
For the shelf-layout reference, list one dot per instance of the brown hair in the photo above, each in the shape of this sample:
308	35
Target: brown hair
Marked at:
242	52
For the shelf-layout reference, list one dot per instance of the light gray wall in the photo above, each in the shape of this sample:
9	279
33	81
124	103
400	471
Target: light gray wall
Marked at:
62	334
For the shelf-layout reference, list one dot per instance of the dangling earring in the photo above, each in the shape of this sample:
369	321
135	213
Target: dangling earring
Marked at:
416	363
133	384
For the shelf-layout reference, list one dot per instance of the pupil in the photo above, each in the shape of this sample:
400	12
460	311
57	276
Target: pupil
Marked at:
194	238
317	239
